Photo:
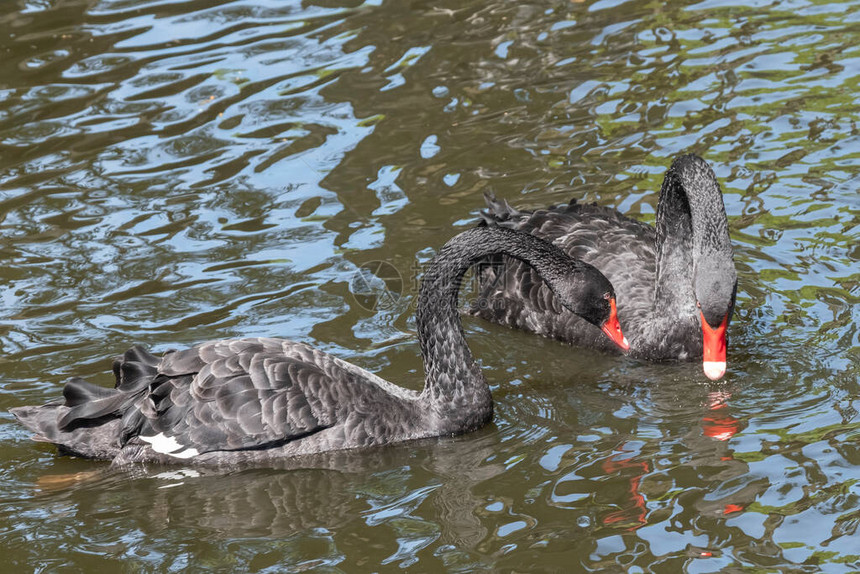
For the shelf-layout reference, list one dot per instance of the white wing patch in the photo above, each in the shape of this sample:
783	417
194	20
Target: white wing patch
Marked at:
168	445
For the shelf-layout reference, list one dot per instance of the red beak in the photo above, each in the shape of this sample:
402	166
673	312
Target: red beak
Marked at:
714	348
612	327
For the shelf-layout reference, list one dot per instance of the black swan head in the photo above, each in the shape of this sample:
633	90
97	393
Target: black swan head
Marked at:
580	287
589	294
715	285
693	239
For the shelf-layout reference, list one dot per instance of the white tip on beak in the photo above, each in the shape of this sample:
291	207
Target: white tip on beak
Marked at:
714	370
624	340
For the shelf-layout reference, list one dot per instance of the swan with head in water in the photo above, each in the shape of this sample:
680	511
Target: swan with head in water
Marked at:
263	400
676	283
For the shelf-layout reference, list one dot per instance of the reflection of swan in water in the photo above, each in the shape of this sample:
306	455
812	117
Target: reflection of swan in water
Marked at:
257	502
250	503
632	486
259	401
463	464
712	453
340	491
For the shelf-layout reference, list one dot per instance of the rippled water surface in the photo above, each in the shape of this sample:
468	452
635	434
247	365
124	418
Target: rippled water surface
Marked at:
172	172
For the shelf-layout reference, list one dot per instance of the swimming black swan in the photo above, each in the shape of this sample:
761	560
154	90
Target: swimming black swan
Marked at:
262	400
676	284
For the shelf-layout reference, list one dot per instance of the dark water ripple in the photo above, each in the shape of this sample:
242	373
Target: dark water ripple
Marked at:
176	172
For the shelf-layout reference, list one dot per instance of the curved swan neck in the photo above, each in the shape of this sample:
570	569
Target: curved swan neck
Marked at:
691	226
451	376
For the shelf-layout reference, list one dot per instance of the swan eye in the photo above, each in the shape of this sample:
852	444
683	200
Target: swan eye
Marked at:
699	305
607	295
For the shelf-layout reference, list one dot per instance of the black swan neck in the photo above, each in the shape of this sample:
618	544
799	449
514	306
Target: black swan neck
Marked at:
691	229
452	379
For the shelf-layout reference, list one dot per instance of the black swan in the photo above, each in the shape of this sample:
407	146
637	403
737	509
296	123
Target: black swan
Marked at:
263	400
676	283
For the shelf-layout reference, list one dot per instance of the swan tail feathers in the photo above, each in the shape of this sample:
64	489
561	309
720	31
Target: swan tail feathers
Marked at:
84	405
87	421
41	420
134	368
498	211
88	403
84	440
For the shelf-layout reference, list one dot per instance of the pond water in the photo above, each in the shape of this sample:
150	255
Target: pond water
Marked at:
173	172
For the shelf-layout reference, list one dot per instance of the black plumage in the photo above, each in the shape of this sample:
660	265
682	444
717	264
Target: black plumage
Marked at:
668	277
260	400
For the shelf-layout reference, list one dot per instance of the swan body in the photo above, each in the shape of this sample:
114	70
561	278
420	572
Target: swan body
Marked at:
260	400
676	282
